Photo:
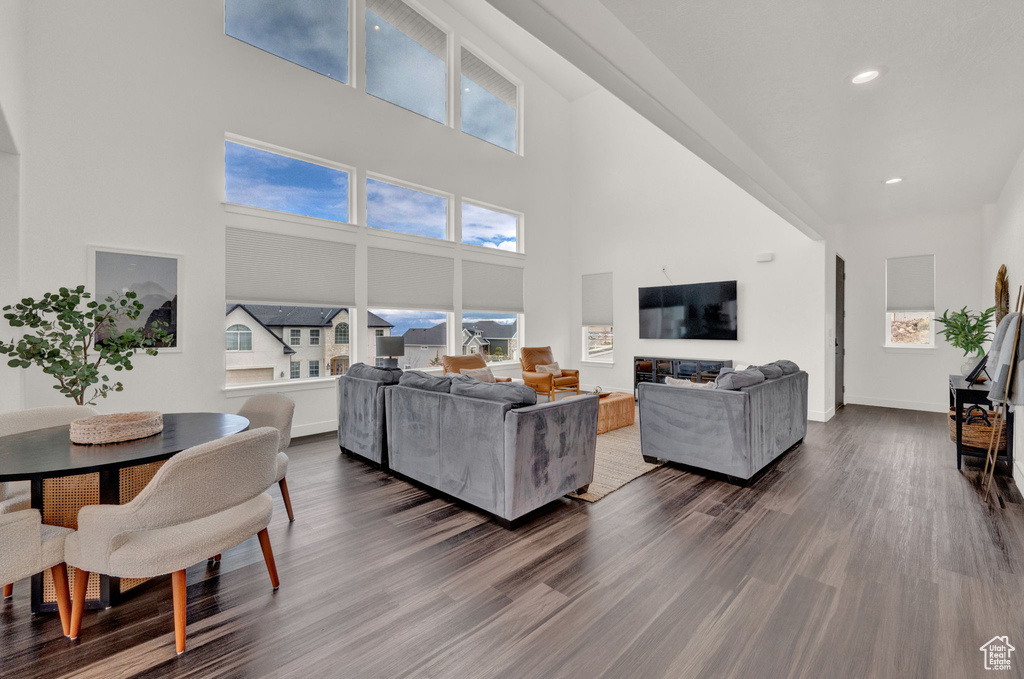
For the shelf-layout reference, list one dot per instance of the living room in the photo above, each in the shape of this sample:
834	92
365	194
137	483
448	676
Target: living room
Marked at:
631	153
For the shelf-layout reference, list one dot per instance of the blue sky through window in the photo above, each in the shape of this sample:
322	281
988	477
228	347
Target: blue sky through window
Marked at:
311	33
488	228
268	180
403	72
487	117
396	208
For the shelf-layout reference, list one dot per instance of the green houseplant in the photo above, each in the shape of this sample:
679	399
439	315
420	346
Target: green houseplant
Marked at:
967	330
76	339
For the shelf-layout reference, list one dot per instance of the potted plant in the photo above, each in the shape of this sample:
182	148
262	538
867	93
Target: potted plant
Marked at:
76	340
967	330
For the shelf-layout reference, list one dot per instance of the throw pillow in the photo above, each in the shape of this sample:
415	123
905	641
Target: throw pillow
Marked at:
369	372
421	380
550	368
482	374
738	379
788	367
687	384
504	392
770	371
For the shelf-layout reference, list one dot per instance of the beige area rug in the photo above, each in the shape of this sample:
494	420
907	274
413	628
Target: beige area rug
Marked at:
618	462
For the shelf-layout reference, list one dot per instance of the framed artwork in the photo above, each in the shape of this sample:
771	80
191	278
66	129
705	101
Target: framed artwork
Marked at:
154	277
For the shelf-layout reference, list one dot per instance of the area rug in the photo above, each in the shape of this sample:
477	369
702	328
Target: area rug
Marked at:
618	462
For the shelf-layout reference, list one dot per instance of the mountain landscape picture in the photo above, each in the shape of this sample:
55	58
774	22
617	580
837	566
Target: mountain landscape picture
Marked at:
153	279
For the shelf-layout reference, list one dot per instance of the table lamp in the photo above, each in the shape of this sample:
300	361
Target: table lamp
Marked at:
391	347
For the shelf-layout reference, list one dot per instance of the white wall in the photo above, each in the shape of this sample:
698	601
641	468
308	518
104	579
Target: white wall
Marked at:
1004	244
916	379
642	201
129	103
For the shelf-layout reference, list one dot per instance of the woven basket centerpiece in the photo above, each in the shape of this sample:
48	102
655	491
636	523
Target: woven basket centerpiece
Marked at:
116	428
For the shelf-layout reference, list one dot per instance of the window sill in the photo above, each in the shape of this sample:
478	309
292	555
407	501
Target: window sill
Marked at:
302	384
289	217
908	350
599	364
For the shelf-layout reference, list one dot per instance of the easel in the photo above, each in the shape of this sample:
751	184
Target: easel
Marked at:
997	426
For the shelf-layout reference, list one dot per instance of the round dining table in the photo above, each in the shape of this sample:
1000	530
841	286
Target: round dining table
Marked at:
65	477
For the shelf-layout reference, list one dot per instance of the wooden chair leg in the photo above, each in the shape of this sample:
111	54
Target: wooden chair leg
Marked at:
9	591
283	483
60	586
78	601
178	591
268	556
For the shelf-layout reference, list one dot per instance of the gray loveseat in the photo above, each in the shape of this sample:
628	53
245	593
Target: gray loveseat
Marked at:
506	461
736	433
361	428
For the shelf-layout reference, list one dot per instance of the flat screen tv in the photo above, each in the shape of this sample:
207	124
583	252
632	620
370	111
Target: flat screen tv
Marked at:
696	311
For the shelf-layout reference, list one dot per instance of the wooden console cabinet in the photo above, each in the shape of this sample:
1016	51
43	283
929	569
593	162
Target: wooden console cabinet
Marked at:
656	369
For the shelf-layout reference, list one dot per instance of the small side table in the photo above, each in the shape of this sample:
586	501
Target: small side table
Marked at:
962	395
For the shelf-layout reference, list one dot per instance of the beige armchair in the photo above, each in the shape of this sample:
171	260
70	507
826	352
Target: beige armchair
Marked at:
456	364
546	383
14	496
202	501
28	547
274	410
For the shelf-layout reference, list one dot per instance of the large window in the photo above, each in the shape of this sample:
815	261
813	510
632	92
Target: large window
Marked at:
310	33
489	102
239	338
406	59
425	333
489	228
494	336
598	343
598	323
275	182
405	210
910	302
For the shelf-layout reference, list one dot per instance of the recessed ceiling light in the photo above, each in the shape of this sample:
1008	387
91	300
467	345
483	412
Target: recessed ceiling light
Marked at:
893	180
376	28
865	76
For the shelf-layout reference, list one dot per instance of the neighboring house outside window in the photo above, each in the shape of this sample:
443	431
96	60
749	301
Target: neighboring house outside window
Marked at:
314	368
239	338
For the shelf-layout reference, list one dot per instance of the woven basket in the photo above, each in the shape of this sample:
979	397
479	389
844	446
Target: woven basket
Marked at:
116	428
978	434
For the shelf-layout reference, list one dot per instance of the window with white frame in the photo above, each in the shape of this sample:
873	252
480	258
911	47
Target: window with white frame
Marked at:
314	368
489	228
310	33
341	333
273	181
489	103
239	338
295	337
598	325
314	337
392	207
425	333
406	59
492	335
910	302
296	370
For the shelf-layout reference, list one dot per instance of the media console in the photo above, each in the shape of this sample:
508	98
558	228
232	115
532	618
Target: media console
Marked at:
656	369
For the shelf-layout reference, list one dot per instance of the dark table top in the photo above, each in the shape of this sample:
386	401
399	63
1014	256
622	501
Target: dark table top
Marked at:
47	453
960	382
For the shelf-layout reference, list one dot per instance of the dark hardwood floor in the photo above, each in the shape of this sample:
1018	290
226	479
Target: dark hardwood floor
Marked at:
861	553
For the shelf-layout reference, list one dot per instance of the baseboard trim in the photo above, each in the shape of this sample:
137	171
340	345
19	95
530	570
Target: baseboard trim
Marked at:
902	405
818	416
314	428
1018	470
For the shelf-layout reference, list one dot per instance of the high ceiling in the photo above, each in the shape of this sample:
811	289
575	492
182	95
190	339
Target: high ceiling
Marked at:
948	113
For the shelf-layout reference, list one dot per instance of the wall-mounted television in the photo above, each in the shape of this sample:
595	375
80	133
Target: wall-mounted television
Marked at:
696	311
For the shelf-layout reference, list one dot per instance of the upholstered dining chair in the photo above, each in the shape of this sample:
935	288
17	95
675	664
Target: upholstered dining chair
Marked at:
27	547
277	411
202	501
546	382
456	364
14	496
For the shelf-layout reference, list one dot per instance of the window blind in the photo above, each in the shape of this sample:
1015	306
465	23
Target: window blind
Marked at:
491	287
910	283
410	280
486	77
412	23
272	267
597	299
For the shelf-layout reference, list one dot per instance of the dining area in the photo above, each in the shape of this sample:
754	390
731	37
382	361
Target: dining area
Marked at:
97	508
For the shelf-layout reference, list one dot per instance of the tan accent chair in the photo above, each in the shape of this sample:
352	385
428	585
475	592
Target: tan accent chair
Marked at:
14	495
546	383
202	501
274	410
27	547
456	364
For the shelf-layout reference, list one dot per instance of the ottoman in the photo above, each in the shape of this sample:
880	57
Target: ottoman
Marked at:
615	411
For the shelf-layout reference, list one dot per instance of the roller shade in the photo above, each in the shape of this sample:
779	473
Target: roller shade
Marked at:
491	287
597	299
409	280
412	23
272	267
486	77
910	283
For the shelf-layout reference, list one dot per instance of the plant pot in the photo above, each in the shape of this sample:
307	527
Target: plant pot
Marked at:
969	364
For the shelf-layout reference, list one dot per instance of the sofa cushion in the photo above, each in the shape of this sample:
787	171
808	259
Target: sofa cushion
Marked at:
688	384
770	371
369	372
482	374
505	392
737	379
788	367
418	379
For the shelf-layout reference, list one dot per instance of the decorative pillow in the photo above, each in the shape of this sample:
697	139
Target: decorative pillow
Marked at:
369	372
738	379
677	382
418	379
770	371
788	367
550	368
482	374
505	392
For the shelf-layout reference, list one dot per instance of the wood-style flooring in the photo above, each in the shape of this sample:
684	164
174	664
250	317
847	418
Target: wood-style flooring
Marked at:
861	553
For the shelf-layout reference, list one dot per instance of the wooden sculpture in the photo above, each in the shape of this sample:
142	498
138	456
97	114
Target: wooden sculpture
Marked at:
1002	294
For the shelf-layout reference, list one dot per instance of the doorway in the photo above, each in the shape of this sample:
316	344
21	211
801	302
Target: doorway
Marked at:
840	330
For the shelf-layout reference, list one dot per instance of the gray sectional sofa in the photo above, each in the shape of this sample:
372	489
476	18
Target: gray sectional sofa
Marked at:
361	427
503	459
736	433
